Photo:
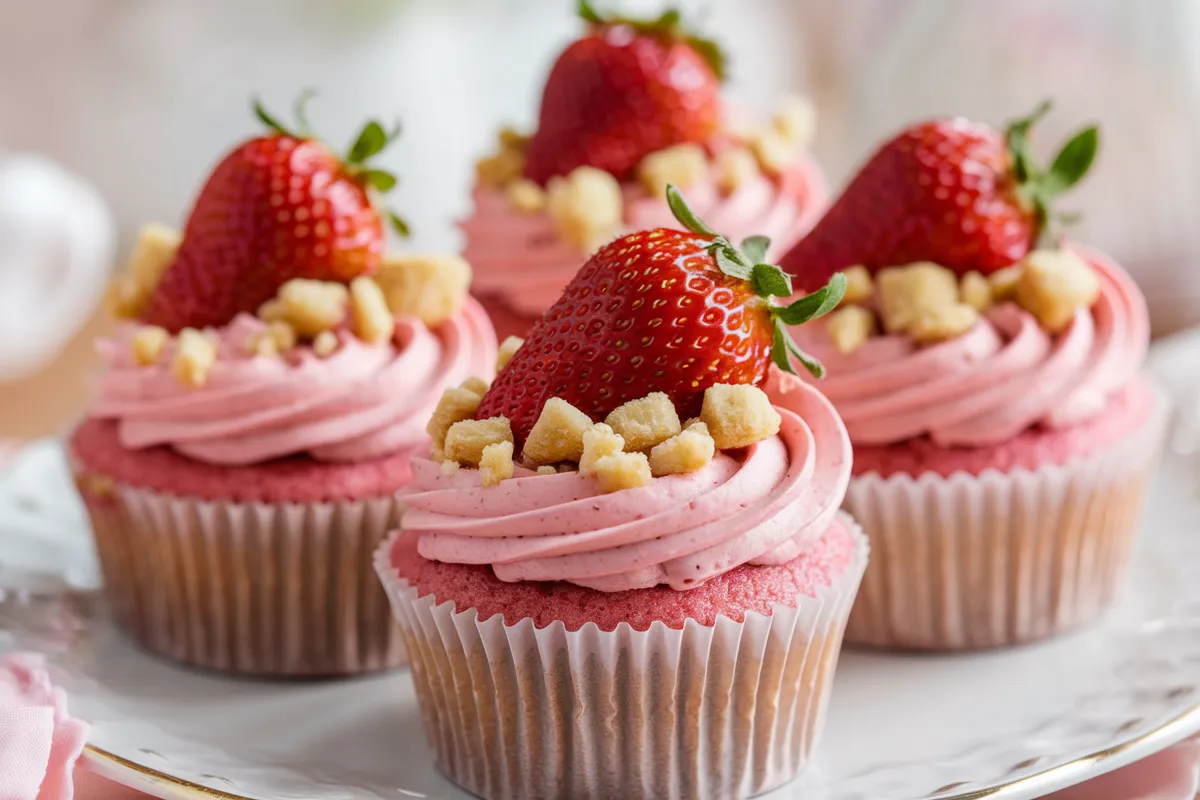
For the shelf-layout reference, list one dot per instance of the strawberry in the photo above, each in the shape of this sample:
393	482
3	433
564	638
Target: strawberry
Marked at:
950	191
625	90
672	311
279	206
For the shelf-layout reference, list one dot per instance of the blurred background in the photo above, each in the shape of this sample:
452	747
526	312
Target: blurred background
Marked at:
111	112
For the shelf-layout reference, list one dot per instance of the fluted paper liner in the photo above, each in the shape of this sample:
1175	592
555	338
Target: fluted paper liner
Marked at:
730	710
1000	558
267	589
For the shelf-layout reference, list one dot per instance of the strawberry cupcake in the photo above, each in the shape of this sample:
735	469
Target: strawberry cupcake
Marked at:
1004	431
632	105
685	583
260	404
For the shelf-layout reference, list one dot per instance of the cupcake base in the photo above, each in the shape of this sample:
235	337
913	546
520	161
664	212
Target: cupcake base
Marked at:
1004	556
268	587
560	708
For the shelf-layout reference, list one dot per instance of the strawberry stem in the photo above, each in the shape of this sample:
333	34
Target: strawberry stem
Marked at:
670	25
767	281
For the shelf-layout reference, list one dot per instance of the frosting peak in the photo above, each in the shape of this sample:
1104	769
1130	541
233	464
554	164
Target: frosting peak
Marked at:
763	505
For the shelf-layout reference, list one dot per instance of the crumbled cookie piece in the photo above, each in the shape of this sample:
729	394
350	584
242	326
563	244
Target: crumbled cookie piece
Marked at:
370	318
1004	283
500	169
796	121
598	441
153	252
308	306
907	293
467	438
148	344
849	328
733	168
586	207
689	450
774	153
430	287
976	291
451	468
860	286
508	348
683	165
525	196
558	434
496	463
476	384
547	469
940	324
195	355
622	471
1054	285
645	422
738	415
456	404
326	344
279	337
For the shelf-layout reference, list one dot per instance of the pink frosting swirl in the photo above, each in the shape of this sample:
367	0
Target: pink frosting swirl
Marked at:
521	258
1004	376
363	402
764	505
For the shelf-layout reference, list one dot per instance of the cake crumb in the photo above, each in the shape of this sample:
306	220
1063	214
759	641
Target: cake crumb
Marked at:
476	384
450	468
148	344
689	450
939	324
598	441
796	121
622	471
455	405
645	422
907	293
738	415
496	463
326	344
976	291
466	439
308	306
547	469
525	196
508	349
1004	283
683	165
774	153
558	434
586	207
371	319
153	252
279	337
850	327
501	168
1054	285
734	167
195	355
431	288
860	286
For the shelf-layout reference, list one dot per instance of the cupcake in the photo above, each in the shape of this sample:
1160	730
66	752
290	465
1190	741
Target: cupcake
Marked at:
1004	431
682	584
627	108
261	399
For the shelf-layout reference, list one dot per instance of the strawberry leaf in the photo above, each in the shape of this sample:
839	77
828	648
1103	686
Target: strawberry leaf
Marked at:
684	214
754	248
817	304
267	119
729	260
380	179
1072	162
371	140
300	110
588	13
769	280
713	55
784	349
399	225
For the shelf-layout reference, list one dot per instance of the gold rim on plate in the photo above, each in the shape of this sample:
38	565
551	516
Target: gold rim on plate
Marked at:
1167	734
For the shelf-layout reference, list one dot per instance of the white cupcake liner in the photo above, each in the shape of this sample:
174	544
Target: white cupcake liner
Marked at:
728	710
265	589
1000	558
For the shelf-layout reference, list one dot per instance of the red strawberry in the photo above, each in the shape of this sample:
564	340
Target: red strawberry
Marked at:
278	207
658	311
627	89
950	191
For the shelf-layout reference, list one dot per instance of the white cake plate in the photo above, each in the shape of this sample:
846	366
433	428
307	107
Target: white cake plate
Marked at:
1012	724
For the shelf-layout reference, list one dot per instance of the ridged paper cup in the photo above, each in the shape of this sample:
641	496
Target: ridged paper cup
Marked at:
1000	558
729	710
264	589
